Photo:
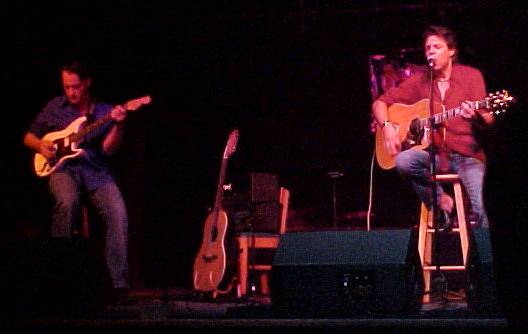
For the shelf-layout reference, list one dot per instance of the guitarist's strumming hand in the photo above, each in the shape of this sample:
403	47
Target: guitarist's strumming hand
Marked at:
47	149
392	141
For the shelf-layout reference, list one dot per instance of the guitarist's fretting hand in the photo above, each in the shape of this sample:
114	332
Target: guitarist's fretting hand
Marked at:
468	112
119	114
113	138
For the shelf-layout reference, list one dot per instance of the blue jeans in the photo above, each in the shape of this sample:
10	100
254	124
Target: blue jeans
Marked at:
415	164
111	207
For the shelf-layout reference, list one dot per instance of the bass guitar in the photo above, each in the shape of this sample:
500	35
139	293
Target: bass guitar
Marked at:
210	262
66	142
412	121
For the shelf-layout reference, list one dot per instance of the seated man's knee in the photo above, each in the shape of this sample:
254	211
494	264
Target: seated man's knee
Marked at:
403	162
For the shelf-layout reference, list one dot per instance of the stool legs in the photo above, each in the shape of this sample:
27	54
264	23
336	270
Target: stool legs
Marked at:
426	234
462	225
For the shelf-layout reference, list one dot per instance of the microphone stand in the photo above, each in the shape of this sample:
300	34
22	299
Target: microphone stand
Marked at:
432	172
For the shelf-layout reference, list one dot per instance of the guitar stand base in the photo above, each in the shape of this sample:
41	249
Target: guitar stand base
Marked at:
227	291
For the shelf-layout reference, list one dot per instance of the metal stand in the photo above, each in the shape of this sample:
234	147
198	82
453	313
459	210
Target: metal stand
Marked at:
334	176
441	282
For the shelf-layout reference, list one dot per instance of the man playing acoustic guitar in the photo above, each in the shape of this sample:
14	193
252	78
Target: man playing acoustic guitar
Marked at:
87	172
459	151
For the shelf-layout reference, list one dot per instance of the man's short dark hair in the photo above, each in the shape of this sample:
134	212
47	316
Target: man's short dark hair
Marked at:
78	67
447	34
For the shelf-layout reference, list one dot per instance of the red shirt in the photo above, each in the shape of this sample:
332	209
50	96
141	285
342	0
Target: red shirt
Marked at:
465	83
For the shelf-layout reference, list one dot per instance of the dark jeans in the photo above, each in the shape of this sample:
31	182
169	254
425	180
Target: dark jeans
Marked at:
110	205
415	164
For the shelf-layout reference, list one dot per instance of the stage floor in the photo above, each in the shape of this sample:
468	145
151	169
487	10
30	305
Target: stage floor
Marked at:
180	310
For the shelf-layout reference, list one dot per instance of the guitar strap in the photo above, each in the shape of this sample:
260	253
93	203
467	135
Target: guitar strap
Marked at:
90	117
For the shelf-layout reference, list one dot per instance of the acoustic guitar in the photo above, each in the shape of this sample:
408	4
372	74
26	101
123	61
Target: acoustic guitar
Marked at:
66	142
210	262
412	122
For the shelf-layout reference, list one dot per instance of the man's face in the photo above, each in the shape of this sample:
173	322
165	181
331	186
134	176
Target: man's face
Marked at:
437	49
76	90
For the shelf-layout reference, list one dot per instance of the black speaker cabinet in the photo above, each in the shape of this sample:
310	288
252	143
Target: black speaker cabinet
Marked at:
344	273
481	291
254	206
264	199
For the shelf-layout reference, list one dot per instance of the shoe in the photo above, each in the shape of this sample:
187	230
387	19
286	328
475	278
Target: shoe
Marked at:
473	220
443	221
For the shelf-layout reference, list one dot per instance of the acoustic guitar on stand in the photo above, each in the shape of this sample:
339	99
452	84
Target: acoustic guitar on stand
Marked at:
66	142
210	262
412	122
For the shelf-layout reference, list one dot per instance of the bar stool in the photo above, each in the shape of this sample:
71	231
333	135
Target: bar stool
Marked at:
426	232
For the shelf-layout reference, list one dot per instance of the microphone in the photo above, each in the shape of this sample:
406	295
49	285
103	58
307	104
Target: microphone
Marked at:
430	61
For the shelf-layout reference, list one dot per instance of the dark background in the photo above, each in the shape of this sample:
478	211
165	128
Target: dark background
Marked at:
292	77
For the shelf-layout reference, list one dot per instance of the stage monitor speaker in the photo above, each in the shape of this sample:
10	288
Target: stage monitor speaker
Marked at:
481	291
344	273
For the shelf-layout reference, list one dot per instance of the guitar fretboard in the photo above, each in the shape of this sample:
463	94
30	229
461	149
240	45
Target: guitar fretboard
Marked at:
454	112
77	137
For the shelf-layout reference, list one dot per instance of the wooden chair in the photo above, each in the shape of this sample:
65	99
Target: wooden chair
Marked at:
426	234
257	240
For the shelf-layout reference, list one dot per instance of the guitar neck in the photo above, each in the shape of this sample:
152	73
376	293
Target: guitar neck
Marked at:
91	127
454	112
219	188
129	106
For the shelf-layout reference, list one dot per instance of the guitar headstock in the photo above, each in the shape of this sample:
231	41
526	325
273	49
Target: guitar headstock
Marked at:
499	101
135	104
231	143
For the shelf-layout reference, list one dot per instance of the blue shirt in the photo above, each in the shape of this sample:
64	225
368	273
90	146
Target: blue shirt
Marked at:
90	168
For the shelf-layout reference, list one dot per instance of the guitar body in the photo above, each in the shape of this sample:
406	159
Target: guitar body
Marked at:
410	120
401	115
210	262
64	146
